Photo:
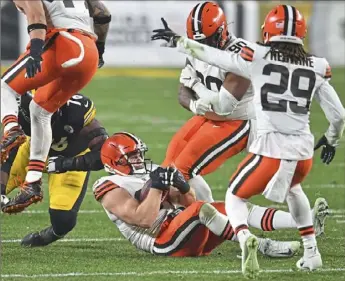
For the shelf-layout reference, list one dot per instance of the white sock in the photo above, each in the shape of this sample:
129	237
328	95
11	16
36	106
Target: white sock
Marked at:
41	138
202	189
299	207
269	219
9	105
216	222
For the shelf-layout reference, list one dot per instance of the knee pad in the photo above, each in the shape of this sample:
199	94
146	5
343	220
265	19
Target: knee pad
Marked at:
62	221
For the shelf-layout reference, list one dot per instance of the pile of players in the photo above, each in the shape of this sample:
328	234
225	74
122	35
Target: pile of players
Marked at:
250	96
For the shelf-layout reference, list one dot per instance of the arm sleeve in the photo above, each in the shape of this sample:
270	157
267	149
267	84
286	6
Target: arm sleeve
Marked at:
331	105
240	64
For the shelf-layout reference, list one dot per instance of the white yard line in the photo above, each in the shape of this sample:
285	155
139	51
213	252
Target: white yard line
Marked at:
340	221
161	272
72	240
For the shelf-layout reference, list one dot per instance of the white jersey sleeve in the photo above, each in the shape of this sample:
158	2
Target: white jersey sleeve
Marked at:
237	63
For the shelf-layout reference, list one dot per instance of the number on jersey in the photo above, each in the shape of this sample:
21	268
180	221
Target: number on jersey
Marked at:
79	5
210	81
283	86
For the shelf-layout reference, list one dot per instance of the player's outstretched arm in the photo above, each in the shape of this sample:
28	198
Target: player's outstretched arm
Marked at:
101	20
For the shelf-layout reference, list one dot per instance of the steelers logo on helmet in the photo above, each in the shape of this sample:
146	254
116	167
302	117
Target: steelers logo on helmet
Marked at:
123	153
207	24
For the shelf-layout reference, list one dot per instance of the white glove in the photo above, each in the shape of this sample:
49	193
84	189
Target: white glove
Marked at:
189	77
51	167
200	106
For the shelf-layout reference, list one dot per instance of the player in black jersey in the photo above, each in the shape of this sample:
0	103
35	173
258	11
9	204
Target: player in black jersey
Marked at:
75	151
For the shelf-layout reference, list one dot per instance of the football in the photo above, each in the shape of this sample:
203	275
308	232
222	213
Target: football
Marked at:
145	191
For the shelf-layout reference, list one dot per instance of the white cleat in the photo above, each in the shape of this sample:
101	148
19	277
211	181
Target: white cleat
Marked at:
250	265
310	262
278	249
319	214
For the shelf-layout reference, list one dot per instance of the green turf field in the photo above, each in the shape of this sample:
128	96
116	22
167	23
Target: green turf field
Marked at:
145	103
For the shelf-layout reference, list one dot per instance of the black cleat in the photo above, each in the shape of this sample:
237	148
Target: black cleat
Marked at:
30	193
12	138
40	239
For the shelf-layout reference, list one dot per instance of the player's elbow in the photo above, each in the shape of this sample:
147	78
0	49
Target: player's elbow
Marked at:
339	118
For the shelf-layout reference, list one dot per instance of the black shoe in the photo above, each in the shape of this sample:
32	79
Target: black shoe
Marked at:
12	138
40	239
30	193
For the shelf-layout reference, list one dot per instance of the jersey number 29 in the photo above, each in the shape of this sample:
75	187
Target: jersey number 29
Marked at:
283	86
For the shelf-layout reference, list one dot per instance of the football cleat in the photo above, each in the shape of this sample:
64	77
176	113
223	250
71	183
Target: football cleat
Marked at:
40	239
278	249
250	265
12	138
310	262
4	200
30	193
319	214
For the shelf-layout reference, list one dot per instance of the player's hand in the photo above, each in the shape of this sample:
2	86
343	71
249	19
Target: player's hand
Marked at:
59	164
189	77
33	63
180	182
162	178
100	48
200	106
328	151
166	34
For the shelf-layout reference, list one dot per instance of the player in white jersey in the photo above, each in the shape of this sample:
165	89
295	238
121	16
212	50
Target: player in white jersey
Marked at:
285	79
145	208
207	140
60	60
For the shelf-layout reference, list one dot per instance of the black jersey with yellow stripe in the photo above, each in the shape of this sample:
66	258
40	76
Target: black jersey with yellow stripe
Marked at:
67	124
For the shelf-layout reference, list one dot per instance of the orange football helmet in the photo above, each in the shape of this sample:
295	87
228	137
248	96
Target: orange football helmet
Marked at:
206	24
284	23
124	153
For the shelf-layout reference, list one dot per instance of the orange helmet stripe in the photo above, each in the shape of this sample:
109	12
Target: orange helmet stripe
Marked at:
196	18
289	20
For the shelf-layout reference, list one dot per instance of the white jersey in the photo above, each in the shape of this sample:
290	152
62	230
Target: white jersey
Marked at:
142	238
283	92
68	14
212	77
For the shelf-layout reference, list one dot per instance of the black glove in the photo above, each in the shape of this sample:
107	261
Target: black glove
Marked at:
33	64
180	182
328	151
162	178
60	164
100	48
166	34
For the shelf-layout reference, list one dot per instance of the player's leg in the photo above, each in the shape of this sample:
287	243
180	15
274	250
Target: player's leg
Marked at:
299	208
46	101
208	149
250	178
67	192
14	84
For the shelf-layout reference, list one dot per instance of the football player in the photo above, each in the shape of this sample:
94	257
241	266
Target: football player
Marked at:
285	78
74	152
60	60
144	207
207	140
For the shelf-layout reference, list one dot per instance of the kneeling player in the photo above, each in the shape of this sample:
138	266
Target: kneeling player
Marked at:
143	206
77	139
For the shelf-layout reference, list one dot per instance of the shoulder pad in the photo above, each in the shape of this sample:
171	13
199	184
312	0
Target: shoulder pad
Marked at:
322	68
102	186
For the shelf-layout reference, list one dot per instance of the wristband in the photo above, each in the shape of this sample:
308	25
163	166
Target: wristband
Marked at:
35	26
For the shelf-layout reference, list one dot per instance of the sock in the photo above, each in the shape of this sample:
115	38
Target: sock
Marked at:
41	139
9	107
300	210
35	171
202	189
237	211
216	222
269	219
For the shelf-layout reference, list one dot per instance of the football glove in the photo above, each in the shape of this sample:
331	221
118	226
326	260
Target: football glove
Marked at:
166	34
328	151
162	178
189	77
33	63
180	182
59	164
200	107
100	48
